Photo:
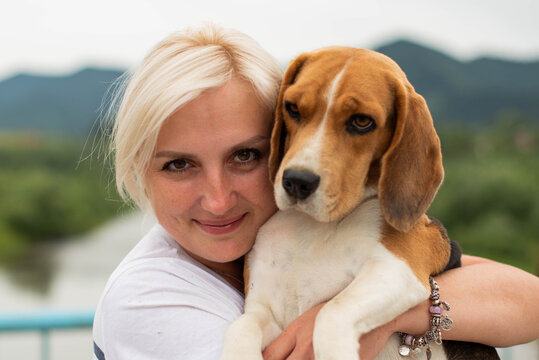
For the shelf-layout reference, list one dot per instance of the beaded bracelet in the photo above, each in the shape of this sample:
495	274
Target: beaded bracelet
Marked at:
411	345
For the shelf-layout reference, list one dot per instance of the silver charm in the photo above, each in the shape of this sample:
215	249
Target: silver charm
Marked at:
446	323
433	284
404	350
446	306
410	346
438	339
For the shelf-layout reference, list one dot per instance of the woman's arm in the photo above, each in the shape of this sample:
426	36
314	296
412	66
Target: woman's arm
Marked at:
491	303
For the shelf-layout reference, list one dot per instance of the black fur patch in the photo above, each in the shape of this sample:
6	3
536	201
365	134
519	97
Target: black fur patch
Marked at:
456	251
458	350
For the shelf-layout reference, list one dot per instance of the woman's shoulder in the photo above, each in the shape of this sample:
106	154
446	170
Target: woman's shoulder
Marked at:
158	270
161	304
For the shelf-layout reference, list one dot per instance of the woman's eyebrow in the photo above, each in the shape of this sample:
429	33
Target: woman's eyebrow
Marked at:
172	154
253	141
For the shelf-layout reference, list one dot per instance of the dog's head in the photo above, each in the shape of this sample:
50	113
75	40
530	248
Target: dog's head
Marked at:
349	125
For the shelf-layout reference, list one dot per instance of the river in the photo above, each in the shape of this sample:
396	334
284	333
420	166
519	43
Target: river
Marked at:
81	268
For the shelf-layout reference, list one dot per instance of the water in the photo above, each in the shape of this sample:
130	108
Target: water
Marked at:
80	270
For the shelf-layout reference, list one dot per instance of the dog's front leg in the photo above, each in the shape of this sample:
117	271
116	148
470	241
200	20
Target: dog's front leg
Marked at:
250	333
383	289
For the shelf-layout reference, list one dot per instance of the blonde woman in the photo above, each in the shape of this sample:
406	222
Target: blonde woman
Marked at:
191	143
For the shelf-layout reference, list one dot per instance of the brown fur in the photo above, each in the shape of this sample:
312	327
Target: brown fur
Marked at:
402	157
407	169
423	247
246	276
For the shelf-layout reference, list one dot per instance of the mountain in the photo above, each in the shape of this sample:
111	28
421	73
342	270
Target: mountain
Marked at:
477	91
54	104
474	92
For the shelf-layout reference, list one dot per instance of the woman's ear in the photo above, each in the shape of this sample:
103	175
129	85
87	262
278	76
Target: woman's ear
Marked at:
279	133
412	169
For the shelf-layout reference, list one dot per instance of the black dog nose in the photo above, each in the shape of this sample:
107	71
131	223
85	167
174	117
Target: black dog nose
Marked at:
300	184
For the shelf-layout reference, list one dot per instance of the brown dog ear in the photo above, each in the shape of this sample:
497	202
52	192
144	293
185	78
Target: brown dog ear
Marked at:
279	133
412	169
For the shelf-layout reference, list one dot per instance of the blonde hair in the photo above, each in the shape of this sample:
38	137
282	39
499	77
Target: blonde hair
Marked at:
176	71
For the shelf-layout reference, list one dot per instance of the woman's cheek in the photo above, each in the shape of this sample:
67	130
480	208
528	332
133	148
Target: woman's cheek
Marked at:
169	197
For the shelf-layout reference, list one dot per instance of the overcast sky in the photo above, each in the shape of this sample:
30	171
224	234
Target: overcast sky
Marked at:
60	36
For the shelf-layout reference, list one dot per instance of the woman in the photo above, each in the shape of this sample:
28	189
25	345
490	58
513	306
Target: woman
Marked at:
191	143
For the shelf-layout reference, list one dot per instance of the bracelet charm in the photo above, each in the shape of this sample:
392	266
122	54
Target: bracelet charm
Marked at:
411	345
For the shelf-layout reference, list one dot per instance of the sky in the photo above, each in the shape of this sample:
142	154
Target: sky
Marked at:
62	36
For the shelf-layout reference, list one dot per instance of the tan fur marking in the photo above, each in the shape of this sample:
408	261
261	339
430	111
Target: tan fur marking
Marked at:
402	158
246	276
423	248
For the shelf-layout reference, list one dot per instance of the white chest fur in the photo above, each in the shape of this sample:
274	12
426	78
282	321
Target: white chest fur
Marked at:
297	263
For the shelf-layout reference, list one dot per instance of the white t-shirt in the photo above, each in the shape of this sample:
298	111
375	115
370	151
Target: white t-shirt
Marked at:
160	303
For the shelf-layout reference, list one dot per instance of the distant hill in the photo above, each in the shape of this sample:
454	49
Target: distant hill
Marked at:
54	104
474	92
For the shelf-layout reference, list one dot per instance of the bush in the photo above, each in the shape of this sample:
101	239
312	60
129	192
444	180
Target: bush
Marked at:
46	194
489	201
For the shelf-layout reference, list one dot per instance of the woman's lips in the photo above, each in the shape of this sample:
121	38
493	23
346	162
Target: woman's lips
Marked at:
220	227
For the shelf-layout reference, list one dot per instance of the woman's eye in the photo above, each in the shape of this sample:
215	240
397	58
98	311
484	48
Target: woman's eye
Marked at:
246	155
177	165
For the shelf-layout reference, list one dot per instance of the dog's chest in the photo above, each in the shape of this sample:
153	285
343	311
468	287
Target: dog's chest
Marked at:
297	263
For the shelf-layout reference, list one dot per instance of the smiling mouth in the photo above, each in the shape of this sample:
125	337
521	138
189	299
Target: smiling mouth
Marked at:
220	227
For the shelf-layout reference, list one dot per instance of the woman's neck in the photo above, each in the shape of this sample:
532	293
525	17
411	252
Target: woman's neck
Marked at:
231	271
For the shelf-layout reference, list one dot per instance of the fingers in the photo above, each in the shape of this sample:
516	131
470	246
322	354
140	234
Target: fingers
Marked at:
296	341
302	351
286	347
281	347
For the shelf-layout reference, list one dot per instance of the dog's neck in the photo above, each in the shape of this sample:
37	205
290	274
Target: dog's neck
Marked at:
371	193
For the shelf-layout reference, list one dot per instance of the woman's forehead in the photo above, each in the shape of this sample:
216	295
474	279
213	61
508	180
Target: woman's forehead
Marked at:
228	115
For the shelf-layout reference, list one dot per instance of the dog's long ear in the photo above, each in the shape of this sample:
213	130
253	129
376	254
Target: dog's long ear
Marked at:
412	169
279	133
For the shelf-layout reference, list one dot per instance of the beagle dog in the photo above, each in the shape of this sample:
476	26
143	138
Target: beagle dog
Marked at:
355	163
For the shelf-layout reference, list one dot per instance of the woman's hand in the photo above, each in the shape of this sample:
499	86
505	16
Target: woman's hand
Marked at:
296	341
371	343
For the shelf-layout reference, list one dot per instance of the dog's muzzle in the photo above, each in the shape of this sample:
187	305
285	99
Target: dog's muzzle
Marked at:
300	184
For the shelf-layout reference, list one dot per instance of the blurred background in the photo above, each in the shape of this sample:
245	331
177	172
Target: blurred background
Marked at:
62	227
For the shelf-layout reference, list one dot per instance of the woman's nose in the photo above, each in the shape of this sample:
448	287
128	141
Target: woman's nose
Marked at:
218	197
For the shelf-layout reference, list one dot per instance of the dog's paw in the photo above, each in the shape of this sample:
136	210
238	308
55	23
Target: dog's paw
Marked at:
240	353
334	337
243	340
239	349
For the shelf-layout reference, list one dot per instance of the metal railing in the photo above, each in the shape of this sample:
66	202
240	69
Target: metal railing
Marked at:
47	321
44	323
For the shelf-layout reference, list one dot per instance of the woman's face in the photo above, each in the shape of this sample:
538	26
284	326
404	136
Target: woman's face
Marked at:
208	179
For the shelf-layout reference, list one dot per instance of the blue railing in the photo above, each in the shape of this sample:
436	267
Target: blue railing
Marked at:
44	323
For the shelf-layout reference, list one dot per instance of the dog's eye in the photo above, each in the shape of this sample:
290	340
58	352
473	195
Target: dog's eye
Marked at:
360	124
292	110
